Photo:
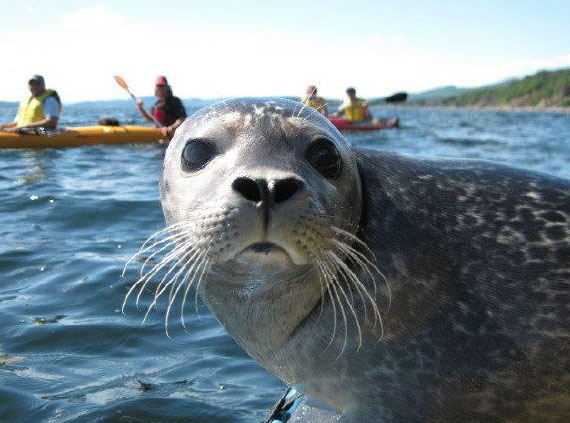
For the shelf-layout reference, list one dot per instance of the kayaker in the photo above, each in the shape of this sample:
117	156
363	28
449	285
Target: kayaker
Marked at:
311	99
168	110
40	110
354	109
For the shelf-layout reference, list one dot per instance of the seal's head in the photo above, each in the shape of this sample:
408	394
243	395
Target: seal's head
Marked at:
259	182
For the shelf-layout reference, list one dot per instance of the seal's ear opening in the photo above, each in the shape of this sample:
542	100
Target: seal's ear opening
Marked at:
374	199
108	121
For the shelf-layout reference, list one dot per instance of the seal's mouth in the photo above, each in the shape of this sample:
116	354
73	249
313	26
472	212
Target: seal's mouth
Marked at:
263	247
264	253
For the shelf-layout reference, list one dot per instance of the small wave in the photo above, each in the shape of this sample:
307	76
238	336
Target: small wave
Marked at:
470	141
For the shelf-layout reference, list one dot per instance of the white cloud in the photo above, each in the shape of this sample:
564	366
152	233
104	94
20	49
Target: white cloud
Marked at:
386	41
98	18
89	45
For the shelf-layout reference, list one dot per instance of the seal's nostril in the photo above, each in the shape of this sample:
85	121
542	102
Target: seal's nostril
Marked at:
248	188
285	189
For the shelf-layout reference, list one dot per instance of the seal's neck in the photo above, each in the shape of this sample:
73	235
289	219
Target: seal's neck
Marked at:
263	314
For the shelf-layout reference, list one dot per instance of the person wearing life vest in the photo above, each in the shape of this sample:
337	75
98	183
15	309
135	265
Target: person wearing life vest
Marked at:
168	110
311	99
353	108
40	110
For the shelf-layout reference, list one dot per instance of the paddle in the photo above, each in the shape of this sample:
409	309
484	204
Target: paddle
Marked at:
124	85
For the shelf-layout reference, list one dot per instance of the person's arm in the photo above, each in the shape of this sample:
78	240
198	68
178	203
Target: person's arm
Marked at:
367	114
339	111
168	131
323	109
49	122
180	113
143	112
5	126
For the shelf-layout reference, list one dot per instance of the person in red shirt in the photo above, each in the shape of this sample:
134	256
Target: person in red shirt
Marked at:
168	109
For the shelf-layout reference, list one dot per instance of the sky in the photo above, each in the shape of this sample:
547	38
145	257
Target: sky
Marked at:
227	48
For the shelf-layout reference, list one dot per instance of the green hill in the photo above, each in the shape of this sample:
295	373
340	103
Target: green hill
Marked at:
544	89
436	94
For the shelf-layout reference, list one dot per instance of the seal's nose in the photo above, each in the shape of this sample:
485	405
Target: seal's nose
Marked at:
274	191
283	189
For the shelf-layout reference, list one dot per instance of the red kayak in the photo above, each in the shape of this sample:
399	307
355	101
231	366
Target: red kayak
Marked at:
374	125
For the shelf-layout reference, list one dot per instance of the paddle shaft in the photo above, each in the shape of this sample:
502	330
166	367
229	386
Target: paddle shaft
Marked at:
124	85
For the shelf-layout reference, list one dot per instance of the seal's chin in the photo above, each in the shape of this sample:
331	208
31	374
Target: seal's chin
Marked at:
261	254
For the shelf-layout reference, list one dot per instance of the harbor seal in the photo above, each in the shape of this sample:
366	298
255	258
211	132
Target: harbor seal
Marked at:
388	287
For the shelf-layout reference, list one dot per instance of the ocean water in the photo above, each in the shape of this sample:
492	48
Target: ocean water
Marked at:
70	220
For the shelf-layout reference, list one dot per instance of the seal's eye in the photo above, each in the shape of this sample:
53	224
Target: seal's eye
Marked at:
323	156
196	154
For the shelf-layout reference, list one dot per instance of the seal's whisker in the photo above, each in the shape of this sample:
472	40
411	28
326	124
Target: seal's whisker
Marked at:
372	263
184	258
170	241
358	258
183	237
333	284
338	263
143	280
301	111
191	272
157	267
317	111
180	251
354	238
376	311
154	270
360	285
322	266
348	276
206	266
322	286
194	272
361	261
180	285
145	247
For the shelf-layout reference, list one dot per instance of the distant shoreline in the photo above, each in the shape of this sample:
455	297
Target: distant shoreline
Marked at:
548	109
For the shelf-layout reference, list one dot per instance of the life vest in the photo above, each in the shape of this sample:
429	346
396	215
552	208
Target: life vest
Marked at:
354	111
32	109
314	102
159	114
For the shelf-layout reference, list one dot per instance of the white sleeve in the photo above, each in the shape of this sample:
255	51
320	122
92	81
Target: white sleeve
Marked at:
51	107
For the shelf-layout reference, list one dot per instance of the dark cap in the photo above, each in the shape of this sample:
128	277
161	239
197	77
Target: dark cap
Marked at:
38	79
350	90
161	80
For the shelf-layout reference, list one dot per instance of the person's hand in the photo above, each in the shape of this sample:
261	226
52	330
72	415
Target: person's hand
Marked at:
167	131
139	103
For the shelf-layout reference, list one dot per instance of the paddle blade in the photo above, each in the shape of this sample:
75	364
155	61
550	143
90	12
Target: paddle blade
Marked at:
121	82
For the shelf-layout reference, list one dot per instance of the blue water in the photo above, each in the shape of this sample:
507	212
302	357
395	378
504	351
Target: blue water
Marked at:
71	218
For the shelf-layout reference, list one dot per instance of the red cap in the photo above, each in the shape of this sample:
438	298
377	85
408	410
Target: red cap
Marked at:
161	80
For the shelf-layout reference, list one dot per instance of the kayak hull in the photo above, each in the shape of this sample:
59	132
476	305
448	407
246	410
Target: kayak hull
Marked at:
79	136
376	125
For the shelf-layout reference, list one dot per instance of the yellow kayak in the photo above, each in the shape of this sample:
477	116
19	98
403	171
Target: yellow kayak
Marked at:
81	135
